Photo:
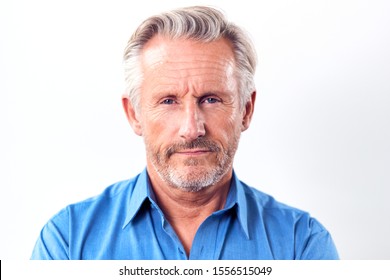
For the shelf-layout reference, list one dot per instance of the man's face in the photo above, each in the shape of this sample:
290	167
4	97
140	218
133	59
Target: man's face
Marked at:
189	115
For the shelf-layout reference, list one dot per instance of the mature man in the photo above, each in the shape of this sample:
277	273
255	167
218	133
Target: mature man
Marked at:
190	95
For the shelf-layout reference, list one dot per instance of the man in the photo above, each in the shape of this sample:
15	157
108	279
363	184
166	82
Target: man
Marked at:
190	95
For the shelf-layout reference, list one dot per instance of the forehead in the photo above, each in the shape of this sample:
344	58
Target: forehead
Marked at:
161	48
171	62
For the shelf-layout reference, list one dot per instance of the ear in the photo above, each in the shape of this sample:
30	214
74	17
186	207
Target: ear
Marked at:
131	114
248	112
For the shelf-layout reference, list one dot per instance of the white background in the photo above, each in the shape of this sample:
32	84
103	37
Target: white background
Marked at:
319	140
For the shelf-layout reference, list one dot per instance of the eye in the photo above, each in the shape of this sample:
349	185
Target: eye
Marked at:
210	100
168	101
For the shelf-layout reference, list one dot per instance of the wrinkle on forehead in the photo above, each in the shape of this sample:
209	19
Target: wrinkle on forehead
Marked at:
160	50
183	61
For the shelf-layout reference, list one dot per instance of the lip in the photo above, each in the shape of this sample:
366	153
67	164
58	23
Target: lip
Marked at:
193	152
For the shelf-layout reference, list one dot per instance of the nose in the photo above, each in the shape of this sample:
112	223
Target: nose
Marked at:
192	125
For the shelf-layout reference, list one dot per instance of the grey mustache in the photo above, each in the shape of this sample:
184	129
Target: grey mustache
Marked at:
195	144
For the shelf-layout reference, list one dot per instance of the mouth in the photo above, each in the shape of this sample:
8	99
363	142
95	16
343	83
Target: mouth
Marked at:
197	147
194	152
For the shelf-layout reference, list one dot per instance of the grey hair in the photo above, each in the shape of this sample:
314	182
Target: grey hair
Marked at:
200	23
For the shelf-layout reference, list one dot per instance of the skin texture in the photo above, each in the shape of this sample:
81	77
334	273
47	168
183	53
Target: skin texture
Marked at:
191	121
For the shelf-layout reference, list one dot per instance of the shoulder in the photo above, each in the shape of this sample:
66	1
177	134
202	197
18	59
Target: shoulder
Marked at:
63	234
278	214
288	226
113	196
267	203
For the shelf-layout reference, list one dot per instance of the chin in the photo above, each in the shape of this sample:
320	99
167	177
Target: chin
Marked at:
194	179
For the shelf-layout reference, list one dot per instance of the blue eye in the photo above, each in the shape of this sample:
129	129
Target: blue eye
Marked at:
210	100
168	101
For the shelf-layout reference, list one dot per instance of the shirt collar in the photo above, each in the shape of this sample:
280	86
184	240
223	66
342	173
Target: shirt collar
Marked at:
142	190
237	200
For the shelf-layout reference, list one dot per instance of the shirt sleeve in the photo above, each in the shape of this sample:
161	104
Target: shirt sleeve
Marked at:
53	241
315	242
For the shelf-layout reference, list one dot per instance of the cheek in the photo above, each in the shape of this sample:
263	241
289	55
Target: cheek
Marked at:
159	129
224	127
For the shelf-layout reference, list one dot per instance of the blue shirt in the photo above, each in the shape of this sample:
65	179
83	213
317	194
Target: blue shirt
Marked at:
125	222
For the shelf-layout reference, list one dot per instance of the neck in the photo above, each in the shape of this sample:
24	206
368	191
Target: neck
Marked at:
185	210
